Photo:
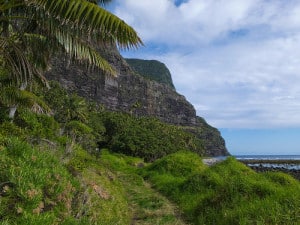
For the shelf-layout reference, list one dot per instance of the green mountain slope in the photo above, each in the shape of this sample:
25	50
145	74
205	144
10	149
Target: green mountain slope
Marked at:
153	70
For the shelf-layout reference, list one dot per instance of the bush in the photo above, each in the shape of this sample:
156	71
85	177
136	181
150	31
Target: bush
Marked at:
82	134
10	129
147	138
37	125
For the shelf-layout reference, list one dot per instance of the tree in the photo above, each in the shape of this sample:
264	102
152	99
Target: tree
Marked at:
32	30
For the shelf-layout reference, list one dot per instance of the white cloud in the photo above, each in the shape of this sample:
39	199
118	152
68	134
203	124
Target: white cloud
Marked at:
237	61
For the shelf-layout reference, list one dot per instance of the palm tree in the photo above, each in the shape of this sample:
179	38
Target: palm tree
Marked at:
32	30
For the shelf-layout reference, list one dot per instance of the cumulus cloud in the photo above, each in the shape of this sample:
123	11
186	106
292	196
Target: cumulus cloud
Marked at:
237	61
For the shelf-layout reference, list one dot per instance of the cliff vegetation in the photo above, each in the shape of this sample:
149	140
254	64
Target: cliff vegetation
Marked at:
153	70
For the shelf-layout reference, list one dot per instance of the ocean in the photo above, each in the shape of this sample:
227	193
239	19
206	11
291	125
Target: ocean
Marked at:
267	157
289	162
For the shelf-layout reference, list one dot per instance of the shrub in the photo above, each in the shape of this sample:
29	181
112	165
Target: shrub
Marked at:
147	138
37	125
10	129
82	134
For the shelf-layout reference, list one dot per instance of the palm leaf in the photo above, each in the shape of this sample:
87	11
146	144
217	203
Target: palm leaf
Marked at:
15	59
90	17
11	95
81	51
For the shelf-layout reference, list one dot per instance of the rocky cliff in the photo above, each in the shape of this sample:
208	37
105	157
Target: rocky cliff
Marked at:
131	92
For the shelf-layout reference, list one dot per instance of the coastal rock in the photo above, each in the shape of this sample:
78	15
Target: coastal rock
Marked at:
131	92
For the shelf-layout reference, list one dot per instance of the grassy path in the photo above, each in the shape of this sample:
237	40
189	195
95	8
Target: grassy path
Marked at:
148	207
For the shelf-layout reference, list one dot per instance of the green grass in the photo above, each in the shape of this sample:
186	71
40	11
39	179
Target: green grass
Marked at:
226	193
49	178
146	204
35	186
45	185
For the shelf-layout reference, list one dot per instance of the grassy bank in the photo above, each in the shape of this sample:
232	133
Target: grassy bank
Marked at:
226	193
58	170
44	185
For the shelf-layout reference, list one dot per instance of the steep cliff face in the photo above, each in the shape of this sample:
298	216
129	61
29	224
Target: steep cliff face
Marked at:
211	138
132	93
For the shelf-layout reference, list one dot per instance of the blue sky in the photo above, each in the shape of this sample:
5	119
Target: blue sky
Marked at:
237	62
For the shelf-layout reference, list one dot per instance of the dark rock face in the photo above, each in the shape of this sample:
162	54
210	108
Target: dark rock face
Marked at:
212	139
132	93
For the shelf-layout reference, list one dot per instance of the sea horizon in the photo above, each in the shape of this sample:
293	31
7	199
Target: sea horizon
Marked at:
268	157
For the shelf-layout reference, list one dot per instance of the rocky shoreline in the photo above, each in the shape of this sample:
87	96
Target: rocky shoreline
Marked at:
291	167
287	166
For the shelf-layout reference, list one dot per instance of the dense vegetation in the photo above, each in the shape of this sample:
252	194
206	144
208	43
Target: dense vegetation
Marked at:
144	137
153	70
54	170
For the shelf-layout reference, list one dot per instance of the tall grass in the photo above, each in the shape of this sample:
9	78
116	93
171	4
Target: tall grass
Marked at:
35	187
38	187
227	193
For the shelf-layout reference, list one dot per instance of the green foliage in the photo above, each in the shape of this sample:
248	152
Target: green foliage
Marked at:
95	122
66	107
153	70
79	160
47	184
146	137
179	164
82	134
8	129
146	205
226	193
38	125
35	187
102	199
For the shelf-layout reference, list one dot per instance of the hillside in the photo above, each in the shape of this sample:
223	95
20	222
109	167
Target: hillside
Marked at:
85	165
153	70
132	93
89	148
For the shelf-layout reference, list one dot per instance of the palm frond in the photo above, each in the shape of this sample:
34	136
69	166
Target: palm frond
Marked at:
36	104
12	95
8	5
15	59
90	17
81	51
102	2
9	95
38	49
